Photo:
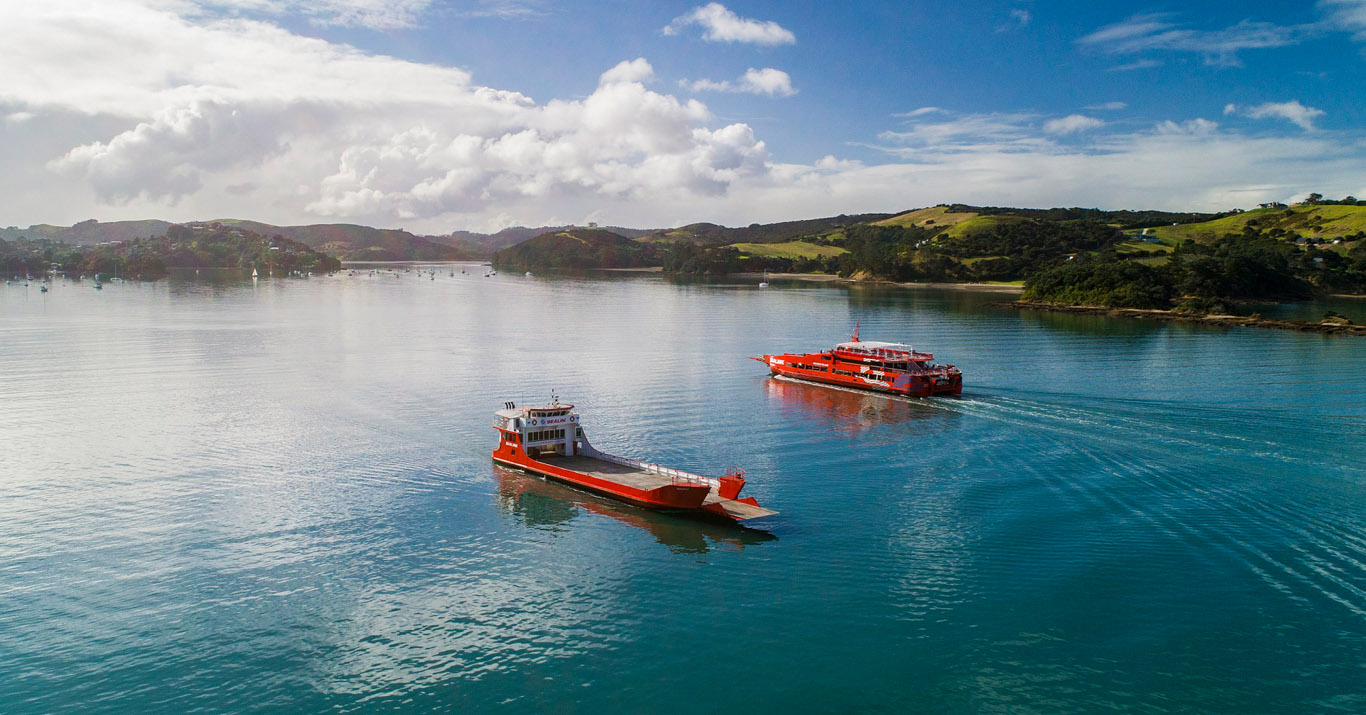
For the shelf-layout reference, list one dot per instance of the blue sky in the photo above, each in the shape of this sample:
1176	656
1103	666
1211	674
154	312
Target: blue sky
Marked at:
438	115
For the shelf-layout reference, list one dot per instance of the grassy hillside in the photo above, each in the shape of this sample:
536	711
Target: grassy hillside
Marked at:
789	249
980	224
934	216
1327	222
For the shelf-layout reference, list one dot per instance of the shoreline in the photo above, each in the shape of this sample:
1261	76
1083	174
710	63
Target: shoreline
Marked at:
831	278
827	278
1171	316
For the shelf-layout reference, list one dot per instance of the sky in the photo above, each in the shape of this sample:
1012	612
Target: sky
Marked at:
442	115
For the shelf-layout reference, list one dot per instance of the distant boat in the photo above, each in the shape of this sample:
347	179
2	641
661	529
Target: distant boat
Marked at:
528	274
99	287
42	289
254	274
764	283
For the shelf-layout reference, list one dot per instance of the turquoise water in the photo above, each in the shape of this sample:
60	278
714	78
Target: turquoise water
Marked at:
277	497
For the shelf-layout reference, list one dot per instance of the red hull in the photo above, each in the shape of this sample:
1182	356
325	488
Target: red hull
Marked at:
721	499
672	496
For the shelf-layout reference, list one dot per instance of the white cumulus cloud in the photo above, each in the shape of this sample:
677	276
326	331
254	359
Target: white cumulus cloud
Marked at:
637	70
1292	111
185	112
1072	124
122	109
766	81
719	24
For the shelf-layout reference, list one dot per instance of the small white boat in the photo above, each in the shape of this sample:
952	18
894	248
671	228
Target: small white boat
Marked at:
254	274
528	274
764	283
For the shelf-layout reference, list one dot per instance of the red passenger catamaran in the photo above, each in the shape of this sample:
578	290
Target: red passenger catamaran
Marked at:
870	365
549	440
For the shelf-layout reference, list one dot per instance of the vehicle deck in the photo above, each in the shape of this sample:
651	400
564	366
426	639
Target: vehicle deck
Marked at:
641	479
611	471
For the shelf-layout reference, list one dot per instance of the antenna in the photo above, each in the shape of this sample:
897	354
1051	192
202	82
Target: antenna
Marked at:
854	337
554	399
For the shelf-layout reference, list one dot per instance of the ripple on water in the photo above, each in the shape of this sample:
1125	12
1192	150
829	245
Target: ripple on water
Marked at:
278	497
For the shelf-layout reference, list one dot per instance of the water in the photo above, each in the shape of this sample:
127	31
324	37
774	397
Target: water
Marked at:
219	495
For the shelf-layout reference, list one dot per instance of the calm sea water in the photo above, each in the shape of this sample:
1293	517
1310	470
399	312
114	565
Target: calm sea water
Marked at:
277	497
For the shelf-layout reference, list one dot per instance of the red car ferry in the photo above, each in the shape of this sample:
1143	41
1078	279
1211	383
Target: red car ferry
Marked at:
549	440
869	365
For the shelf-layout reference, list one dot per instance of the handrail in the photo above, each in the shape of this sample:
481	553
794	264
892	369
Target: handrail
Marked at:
676	475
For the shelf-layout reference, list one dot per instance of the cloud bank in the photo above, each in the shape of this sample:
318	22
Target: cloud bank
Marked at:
129	109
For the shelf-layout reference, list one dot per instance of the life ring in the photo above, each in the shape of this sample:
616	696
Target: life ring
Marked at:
573	418
533	423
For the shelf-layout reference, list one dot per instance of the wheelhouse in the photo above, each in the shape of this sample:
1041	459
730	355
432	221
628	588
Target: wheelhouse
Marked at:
543	430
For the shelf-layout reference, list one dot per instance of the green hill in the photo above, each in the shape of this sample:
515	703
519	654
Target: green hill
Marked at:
1326	222
89	232
182	246
348	241
932	217
788	249
710	234
980	224
353	242
575	249
485	244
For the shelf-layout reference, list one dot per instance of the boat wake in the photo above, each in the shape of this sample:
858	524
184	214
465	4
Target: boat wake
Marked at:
1232	490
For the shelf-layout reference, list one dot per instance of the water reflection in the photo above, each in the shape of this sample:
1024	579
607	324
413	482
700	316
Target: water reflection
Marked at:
543	504
855	411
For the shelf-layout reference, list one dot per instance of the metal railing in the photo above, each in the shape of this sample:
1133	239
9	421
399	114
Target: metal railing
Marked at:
677	475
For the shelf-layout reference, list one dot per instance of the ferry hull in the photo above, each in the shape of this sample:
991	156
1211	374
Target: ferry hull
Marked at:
672	496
